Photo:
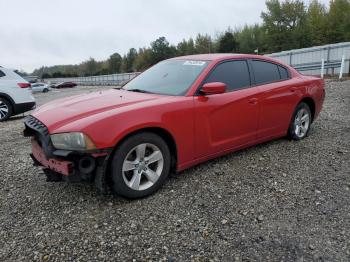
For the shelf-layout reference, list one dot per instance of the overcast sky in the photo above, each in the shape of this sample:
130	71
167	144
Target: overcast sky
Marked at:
41	32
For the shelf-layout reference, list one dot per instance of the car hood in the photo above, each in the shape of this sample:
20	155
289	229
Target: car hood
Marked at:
60	112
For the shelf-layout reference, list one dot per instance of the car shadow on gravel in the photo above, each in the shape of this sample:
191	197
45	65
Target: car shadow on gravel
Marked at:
15	118
249	152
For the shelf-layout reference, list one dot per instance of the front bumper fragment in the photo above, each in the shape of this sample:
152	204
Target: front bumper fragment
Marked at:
63	167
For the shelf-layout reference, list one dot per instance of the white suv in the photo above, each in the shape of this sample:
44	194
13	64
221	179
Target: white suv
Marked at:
15	95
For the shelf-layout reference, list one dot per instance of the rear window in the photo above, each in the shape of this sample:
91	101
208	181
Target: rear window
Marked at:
2	74
265	72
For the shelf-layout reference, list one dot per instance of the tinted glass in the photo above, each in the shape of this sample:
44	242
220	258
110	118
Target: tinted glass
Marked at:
265	72
235	74
1	74
283	73
172	77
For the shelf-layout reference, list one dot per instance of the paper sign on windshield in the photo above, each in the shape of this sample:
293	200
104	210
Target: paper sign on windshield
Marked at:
195	63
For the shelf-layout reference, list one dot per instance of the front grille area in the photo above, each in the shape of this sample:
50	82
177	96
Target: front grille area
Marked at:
36	129
34	125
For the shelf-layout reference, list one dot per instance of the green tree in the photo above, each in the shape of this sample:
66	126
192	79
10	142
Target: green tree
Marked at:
57	75
285	25
186	47
89	67
114	63
338	21
204	44
143	59
128	61
251	38
45	75
317	15
161	50
227	43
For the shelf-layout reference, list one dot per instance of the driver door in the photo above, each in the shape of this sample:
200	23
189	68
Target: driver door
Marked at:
227	121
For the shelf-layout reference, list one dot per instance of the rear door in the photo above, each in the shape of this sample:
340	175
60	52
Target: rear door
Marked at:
276	99
226	121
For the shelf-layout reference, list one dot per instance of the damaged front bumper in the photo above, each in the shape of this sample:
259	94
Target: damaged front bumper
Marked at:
63	164
62	167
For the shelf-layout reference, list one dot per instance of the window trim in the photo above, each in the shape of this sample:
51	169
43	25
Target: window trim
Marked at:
198	93
288	75
271	62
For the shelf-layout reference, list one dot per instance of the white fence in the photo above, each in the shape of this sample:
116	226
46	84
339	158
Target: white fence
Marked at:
310	60
102	80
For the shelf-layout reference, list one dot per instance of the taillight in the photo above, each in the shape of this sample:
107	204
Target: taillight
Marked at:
23	85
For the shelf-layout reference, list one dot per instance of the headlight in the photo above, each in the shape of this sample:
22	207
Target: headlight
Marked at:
72	141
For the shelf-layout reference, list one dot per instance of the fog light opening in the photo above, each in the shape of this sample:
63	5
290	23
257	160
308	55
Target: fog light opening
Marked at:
86	165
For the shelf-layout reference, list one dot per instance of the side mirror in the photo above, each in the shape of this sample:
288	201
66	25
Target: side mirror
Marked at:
214	88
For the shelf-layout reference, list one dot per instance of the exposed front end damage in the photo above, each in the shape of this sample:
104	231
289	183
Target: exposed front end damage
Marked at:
58	165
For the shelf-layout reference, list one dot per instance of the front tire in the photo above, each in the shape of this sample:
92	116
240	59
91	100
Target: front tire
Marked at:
140	165
300	123
5	109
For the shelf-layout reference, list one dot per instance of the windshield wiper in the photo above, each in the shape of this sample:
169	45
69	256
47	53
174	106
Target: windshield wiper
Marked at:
138	90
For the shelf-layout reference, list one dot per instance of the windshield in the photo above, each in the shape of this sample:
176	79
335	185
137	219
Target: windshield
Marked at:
171	77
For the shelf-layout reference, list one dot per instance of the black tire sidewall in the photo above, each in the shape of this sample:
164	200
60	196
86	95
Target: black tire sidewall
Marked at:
9	106
291	130
118	183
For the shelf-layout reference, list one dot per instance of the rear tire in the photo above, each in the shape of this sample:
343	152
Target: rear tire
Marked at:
45	90
140	165
300	123
5	109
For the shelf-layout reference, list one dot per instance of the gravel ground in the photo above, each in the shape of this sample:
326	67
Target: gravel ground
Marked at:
279	201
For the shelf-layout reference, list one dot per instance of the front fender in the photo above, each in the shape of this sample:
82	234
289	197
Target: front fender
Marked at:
109	128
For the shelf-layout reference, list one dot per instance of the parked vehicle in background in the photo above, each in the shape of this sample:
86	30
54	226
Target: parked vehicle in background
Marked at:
40	88
180	112
65	85
15	95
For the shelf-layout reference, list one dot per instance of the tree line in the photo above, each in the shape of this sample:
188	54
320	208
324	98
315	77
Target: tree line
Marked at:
286	25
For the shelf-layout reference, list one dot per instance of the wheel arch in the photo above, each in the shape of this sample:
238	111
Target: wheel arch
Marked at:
8	98
163	133
312	105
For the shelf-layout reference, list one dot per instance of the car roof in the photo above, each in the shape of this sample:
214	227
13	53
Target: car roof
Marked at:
7	69
12	75
221	56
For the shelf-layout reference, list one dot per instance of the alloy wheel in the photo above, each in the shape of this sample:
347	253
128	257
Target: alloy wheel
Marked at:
302	123
142	166
4	110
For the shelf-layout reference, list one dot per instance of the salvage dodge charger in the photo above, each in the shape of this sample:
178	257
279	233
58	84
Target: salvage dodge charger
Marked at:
180	112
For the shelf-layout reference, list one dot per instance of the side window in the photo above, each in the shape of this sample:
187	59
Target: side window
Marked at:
265	72
235	74
2	74
283	73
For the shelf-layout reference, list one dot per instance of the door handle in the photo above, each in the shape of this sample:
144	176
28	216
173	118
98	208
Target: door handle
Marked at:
293	89
253	101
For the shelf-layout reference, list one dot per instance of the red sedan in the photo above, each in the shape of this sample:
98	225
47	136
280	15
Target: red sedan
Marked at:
180	112
65	85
